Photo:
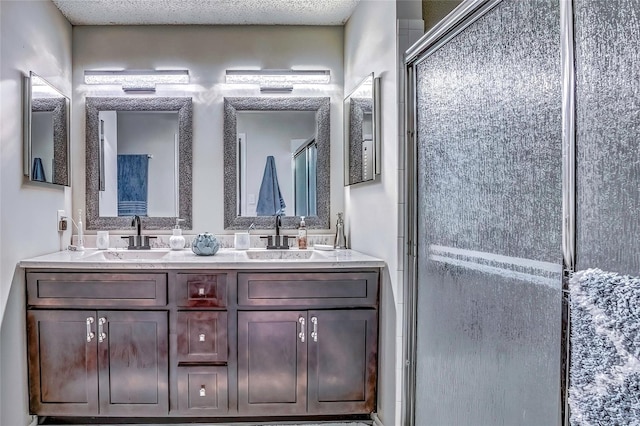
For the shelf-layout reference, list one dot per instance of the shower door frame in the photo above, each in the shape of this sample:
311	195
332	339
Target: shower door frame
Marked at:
464	15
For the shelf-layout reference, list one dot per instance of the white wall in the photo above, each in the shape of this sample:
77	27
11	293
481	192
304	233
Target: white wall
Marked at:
370	46
34	36
409	9
371	37
207	51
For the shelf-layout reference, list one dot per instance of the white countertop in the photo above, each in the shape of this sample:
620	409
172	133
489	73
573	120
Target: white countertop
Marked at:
185	259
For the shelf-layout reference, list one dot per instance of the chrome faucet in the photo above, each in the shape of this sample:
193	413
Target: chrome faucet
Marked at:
138	242
136	222
278	225
277	241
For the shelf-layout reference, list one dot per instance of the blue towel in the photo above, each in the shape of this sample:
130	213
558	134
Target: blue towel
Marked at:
133	172
37	172
270	201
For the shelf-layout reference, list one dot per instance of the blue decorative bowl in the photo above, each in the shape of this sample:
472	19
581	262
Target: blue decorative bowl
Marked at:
205	245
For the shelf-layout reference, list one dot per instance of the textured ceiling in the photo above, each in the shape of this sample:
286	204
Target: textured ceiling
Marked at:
206	12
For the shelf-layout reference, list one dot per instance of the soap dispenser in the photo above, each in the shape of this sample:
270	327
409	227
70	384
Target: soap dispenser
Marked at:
341	240
302	234
176	241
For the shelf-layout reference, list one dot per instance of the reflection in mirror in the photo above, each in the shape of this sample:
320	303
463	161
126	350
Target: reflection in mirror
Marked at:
288	137
362	132
46	124
138	161
276	159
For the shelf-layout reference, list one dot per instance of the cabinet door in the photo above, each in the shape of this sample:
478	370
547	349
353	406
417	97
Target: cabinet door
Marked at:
272	362
63	375
133	363
342	361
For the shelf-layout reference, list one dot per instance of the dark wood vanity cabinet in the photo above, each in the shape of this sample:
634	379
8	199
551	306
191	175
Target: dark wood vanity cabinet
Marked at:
206	344
312	361
202	344
342	361
63	365
95	361
307	362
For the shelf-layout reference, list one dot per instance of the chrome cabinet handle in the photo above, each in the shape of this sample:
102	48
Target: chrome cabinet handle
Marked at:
90	334
101	334
314	333
301	334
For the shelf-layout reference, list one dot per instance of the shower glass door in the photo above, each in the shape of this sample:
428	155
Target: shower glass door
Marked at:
607	133
488	220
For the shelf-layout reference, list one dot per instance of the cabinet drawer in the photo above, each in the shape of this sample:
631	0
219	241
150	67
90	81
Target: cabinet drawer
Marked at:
308	289
201	290
202	336
96	289
202	390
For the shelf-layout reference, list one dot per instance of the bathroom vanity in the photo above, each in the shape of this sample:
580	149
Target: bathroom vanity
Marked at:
239	335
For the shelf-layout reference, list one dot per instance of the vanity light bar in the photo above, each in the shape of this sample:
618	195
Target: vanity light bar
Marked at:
137	80
271	80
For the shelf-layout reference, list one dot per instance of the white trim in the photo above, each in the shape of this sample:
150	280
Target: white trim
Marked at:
376	419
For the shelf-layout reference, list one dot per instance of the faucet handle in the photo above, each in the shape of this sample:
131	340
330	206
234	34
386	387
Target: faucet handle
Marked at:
269	239
285	240
129	240
146	244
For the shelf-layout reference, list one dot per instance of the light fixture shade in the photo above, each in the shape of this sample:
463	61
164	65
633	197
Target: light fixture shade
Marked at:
279	80
137	80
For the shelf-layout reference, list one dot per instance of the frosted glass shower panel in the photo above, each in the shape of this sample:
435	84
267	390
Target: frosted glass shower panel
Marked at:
489	221
607	36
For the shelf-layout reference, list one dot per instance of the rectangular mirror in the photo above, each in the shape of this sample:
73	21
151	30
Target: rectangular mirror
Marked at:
362	132
138	161
276	161
46	132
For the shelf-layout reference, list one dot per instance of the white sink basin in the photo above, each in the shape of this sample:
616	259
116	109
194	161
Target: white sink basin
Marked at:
130	255
283	254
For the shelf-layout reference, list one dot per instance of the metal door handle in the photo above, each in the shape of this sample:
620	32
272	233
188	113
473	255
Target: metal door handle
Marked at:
102	336
301	334
314	333
90	334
